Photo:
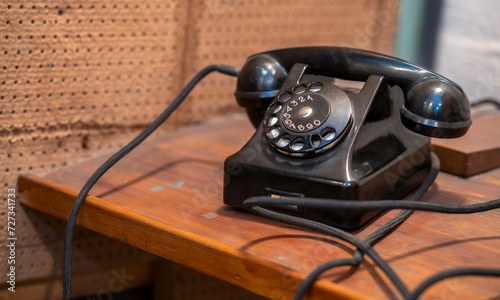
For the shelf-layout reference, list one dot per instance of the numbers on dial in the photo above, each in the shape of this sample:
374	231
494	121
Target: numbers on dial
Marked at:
299	120
302	127
291	109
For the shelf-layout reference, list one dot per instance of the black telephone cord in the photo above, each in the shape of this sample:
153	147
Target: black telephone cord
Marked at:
68	237
336	232
362	246
452	273
374	237
373	205
492	101
368	250
253	205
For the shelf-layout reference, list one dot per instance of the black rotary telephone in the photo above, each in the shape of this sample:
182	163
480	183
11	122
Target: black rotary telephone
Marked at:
320	142
315	139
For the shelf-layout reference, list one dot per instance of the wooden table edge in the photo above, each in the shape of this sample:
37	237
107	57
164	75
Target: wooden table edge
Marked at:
264	277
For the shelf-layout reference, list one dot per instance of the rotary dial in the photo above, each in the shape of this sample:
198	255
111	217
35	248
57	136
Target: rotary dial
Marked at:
307	119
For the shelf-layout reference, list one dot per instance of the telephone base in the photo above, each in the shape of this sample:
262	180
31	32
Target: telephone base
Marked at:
374	158
392	182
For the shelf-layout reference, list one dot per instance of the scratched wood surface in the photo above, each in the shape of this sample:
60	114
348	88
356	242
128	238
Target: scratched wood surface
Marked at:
166	197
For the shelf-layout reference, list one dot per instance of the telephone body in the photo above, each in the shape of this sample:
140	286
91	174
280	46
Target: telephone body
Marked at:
315	139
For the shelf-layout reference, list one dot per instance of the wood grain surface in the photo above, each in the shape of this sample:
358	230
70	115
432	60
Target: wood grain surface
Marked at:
476	152
166	198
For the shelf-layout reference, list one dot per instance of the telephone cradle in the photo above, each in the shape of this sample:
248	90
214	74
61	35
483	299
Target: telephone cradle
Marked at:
315	139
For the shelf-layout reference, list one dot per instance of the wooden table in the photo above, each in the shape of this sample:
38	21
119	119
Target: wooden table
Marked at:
166	198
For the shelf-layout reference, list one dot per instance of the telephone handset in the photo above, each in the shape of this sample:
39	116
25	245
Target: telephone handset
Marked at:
315	139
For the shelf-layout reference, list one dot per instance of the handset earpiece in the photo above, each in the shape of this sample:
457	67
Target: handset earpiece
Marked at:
258	83
433	106
436	108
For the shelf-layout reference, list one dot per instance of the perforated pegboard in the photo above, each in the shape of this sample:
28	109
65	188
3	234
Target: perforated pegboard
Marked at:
72	77
78	78
230	31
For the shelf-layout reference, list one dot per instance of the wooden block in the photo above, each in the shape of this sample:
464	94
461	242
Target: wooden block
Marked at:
476	152
166	197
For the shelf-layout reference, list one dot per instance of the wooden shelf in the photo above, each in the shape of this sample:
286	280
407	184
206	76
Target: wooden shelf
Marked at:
166	198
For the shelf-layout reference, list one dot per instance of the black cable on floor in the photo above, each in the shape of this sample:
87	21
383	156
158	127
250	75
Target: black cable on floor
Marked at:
68	237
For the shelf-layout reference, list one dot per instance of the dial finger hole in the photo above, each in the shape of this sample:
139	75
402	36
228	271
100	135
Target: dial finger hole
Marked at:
315	87
283	141
328	134
273	132
271	120
316	141
274	107
299	89
284	97
297	144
